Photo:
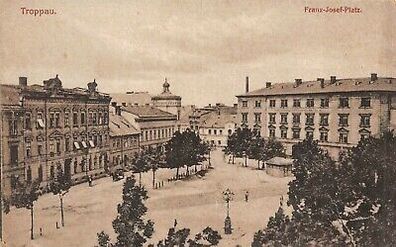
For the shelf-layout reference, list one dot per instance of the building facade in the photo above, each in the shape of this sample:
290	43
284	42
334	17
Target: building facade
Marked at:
167	101
63	129
124	141
336	112
218	125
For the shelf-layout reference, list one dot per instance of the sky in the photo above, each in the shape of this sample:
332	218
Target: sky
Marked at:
205	48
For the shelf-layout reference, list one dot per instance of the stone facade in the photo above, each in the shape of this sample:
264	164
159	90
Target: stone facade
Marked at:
337	112
62	129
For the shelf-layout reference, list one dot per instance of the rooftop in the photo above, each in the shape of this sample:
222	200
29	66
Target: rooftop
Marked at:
219	119
148	112
370	84
132	98
166	93
119	126
279	161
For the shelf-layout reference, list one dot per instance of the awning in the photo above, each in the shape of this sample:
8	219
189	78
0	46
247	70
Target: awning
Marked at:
41	123
91	143
76	145
84	144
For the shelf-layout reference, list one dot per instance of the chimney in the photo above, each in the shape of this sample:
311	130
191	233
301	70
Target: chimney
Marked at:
333	79
321	80
373	77
235	105
267	84
247	84
298	82
22	81
118	110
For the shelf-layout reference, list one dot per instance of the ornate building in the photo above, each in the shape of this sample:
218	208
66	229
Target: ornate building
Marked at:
336	112
167	101
65	129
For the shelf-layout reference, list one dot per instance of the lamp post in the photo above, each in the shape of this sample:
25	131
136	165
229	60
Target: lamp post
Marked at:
228	196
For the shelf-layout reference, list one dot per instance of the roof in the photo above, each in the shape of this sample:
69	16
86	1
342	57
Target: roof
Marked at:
132	98
279	161
148	112
218	119
185	112
119	126
382	84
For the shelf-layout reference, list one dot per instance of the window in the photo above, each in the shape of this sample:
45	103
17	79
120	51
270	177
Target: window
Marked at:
284	103
257	117
283	118
219	142
272	118
40	173
324	102
52	120
57	120
324	135
365	102
214	132
94	120
75	119
310	102
52	172
272	133
28	147
105	118
343	120
244	103
28	121
284	133
364	136
14	155
67	120
365	120
13	127
100	118
343	137
83	118
209	131
40	121
244	117
221	132
309	134
272	103
29	174
67	144
296	133
344	102
257	103
296	103
296	118
39	149
310	119
324	119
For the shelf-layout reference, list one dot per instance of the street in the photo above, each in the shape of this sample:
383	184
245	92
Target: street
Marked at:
195	203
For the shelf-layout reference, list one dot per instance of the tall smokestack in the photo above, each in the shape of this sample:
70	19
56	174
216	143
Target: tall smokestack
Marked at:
247	84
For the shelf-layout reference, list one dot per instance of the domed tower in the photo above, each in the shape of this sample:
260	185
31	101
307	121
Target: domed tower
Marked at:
167	101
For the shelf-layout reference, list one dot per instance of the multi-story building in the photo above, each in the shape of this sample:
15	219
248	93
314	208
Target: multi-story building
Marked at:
218	126
156	127
167	101
12	139
337	112
124	140
63	128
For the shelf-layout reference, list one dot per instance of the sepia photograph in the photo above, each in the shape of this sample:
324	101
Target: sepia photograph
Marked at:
198	123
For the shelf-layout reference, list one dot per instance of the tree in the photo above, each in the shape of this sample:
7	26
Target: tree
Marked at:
24	196
272	148
140	165
176	238
256	149
60	186
174	152
129	225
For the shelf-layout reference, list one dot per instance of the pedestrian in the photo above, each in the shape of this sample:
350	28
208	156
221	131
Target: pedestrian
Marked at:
175	224
246	196
90	181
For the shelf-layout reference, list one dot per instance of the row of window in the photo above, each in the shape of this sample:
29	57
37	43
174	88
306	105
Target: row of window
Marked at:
157	134
323	137
74	119
128	142
310	117
365	102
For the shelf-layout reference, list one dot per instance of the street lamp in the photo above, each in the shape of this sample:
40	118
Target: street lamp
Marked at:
228	196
